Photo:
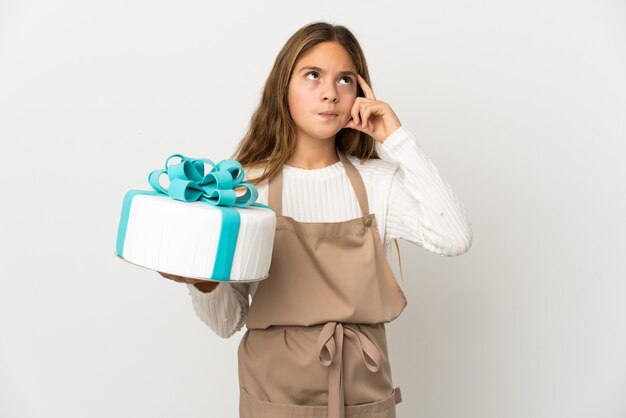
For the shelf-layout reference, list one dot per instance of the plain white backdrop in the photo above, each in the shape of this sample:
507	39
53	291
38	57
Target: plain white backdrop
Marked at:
521	106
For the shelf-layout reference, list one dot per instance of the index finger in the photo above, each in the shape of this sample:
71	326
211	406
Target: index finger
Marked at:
367	90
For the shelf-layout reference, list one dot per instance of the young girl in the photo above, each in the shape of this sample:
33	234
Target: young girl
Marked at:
345	178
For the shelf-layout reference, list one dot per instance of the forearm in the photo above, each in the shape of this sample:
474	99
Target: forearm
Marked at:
224	309
424	208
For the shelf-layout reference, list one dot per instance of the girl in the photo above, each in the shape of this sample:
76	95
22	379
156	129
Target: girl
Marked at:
322	150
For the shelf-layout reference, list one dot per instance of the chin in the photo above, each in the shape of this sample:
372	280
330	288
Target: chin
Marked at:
321	131
325	135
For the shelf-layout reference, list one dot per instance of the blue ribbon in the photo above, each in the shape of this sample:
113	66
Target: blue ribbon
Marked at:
189	183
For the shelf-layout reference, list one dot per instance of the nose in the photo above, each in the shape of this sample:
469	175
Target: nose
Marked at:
329	94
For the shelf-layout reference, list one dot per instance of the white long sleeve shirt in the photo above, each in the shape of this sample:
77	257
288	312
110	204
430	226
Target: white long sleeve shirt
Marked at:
409	198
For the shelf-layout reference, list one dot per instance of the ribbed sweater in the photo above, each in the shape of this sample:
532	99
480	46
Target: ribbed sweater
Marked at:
405	191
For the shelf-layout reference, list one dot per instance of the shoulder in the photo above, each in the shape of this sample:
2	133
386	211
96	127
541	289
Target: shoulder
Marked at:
375	171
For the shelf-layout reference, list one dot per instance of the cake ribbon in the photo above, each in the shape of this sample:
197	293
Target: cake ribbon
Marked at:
189	183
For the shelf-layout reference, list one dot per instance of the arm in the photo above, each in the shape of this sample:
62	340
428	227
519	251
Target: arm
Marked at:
422	208
224	309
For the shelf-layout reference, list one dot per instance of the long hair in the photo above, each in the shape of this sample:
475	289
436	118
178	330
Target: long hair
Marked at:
271	137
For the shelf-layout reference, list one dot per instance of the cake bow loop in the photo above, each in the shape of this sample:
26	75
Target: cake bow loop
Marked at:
189	183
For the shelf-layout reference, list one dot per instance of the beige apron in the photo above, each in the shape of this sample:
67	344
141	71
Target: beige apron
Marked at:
327	281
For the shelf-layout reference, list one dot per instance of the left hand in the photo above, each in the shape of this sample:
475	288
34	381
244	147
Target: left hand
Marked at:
371	116
204	286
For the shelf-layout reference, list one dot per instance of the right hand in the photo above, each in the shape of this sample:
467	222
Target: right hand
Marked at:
204	286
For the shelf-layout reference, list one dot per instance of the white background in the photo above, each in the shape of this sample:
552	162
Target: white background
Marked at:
521	106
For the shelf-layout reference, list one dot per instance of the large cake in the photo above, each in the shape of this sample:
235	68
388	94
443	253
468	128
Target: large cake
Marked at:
198	227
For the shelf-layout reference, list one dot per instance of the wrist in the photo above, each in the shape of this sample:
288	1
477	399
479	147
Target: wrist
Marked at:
395	128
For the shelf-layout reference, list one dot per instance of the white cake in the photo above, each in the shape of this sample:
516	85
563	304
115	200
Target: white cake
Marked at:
182	238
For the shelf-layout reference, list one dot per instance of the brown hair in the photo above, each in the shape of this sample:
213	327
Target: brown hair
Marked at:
271	138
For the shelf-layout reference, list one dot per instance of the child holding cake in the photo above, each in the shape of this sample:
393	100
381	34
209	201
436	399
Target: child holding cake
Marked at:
345	178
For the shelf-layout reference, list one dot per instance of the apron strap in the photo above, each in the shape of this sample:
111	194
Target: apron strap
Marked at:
275	187
357	183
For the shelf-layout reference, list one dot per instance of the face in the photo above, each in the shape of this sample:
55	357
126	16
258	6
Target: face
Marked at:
323	80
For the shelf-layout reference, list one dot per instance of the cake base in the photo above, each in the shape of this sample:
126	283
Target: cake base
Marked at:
204	279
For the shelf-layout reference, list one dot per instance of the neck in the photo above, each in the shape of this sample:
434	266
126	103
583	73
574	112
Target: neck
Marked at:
311	153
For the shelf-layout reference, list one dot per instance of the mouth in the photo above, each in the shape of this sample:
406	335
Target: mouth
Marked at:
328	115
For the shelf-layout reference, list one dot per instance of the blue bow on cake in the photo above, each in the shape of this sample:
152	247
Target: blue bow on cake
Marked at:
189	183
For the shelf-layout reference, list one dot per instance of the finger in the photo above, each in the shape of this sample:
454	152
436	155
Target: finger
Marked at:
365	115
353	125
360	109
179	279
367	90
168	276
354	112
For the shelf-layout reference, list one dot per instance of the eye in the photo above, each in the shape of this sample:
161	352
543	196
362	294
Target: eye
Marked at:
311	72
345	77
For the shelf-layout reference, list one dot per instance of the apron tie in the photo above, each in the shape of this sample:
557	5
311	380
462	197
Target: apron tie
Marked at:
331	341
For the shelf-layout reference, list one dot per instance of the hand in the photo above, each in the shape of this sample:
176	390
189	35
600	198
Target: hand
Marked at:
374	117
205	286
